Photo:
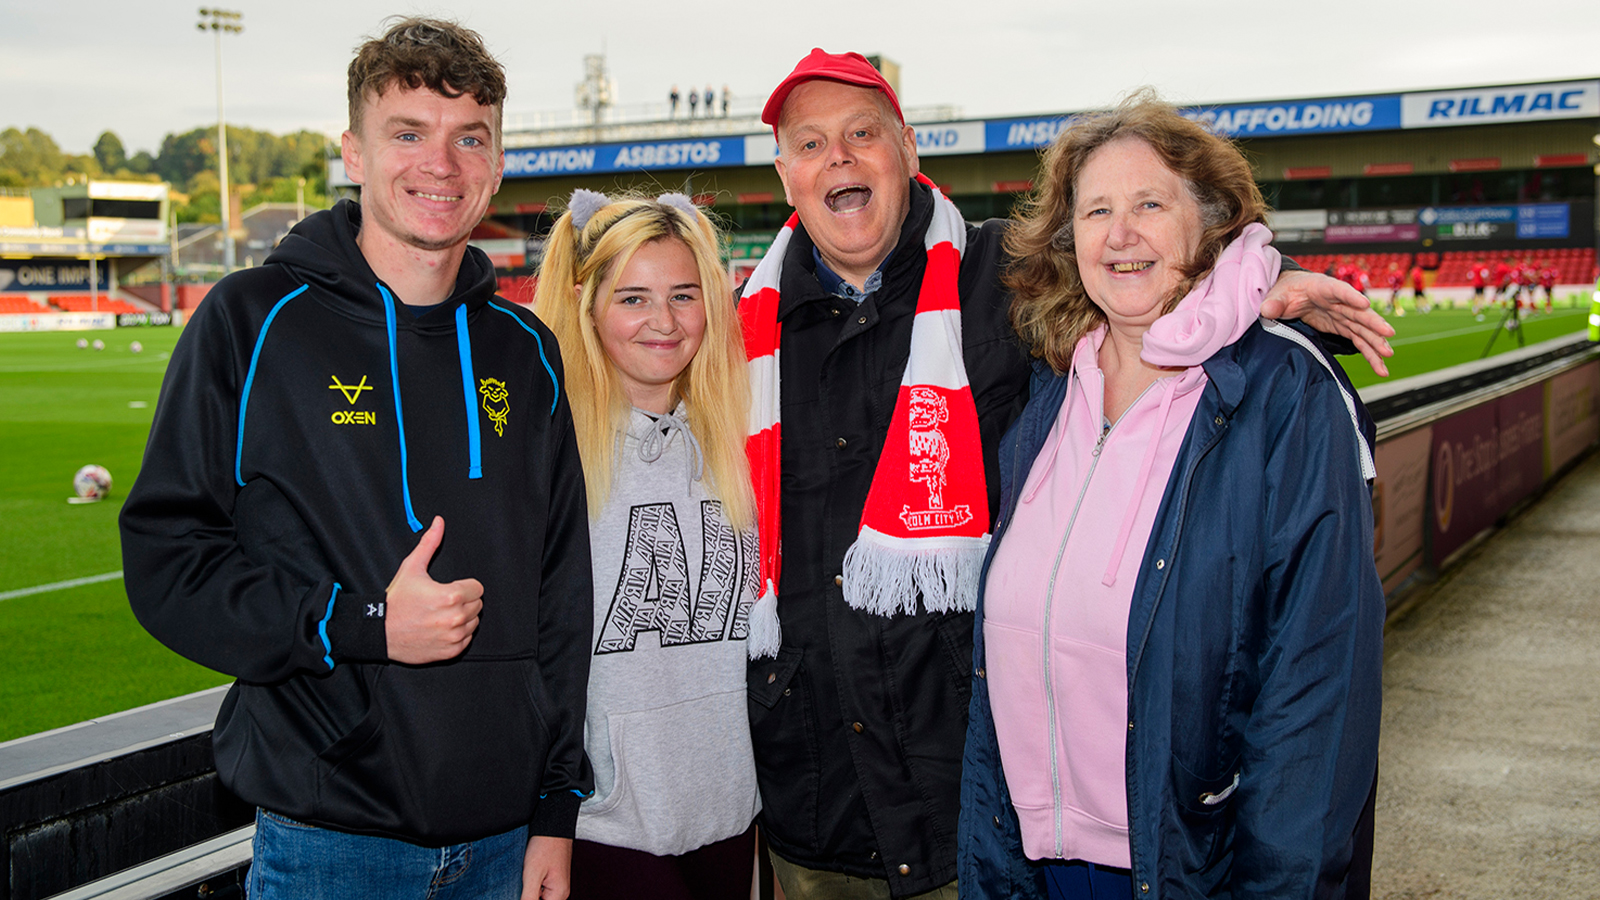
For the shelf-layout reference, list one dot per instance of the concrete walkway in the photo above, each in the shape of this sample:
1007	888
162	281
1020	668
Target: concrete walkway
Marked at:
1489	778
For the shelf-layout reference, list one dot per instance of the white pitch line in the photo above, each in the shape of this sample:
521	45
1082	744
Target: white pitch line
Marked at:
59	585
1480	328
1483	328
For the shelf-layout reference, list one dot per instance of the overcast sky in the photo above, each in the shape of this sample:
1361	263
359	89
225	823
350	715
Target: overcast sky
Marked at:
141	69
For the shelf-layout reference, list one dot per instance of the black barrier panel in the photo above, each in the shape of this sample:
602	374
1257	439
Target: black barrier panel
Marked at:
134	320
78	825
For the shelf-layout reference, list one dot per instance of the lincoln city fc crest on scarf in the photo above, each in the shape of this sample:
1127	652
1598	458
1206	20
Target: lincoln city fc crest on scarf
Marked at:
495	402
930	457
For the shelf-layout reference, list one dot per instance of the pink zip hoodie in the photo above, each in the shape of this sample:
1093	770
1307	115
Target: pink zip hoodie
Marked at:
1061	584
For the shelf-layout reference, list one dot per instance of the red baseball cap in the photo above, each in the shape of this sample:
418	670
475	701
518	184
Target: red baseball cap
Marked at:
850	68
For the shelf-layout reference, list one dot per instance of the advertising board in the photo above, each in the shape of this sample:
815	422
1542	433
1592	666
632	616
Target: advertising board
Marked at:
1262	119
1571	424
1522	221
55	276
691	153
1513	103
1485	459
57	321
1280	119
143	319
1400	505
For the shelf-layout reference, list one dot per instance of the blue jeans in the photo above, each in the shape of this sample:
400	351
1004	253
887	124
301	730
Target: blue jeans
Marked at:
295	861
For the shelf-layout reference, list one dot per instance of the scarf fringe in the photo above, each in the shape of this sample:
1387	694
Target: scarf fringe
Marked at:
886	577
766	635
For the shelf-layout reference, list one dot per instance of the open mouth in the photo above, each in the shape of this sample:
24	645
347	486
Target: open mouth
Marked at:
1126	267
848	197
441	198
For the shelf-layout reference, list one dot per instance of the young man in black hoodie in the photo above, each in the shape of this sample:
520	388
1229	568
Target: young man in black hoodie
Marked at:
409	707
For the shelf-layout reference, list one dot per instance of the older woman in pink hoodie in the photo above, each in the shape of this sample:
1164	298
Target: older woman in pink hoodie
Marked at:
1178	641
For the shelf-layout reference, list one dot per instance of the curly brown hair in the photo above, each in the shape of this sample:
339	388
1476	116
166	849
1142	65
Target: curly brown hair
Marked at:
419	52
1051	310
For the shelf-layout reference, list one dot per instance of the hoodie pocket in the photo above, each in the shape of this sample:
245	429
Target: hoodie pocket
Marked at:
684	777
444	754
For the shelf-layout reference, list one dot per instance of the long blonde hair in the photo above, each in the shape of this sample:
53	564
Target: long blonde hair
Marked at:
714	387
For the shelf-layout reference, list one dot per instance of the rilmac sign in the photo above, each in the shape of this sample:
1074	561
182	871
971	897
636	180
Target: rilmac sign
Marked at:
1522	103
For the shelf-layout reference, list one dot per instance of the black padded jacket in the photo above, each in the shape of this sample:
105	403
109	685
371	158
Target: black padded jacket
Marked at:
858	723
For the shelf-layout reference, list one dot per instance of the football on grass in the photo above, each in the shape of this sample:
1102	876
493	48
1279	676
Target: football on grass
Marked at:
92	483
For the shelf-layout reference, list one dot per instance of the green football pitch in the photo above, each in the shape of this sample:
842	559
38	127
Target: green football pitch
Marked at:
74	652
1445	337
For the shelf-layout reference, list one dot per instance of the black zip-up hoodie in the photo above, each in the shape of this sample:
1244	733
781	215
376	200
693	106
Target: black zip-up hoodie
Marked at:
309	427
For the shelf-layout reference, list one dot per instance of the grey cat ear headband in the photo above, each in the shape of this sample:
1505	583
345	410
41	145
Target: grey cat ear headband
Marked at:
585	203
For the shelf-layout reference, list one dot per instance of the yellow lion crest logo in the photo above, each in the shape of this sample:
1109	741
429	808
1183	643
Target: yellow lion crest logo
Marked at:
495	397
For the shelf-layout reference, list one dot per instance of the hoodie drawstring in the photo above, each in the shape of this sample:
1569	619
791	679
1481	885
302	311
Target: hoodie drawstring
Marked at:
1169	391
399	414
470	391
653	442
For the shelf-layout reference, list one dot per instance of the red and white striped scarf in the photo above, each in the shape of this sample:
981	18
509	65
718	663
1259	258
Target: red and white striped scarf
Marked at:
924	528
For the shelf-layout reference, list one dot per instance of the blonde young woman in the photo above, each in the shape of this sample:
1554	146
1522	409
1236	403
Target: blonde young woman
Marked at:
655	365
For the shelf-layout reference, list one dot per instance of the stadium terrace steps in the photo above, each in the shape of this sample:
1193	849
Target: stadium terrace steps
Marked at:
1574	265
1453	268
20	305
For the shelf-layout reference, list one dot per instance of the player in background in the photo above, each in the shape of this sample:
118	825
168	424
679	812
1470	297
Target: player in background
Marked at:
1527	283
1547	280
1419	285
1479	275
1504	278
1394	279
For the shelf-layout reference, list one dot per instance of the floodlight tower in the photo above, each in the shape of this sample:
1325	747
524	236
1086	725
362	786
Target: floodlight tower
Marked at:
597	92
220	22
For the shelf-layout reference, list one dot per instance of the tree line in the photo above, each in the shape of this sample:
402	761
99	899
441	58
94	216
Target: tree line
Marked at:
262	167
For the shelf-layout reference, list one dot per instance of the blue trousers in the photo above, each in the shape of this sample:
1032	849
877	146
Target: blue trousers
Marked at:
295	861
1077	880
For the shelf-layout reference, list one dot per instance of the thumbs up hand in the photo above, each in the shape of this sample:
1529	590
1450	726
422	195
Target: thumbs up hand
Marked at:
428	621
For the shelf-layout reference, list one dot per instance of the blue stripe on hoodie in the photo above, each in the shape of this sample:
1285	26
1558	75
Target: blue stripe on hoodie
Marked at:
399	414
250	377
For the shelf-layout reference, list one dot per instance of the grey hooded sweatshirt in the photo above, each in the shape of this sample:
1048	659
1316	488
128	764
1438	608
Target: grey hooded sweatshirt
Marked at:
667	729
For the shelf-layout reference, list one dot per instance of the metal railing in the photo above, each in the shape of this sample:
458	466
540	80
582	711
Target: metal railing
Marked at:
652	121
192	867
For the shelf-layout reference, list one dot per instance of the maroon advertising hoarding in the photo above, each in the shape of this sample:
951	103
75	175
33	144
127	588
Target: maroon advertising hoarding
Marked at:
1485	459
1356	234
1399	505
1570	422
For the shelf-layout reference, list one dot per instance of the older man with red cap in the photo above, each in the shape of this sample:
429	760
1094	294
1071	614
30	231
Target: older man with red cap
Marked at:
874	450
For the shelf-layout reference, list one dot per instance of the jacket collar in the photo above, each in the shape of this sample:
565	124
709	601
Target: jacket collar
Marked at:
1226	375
